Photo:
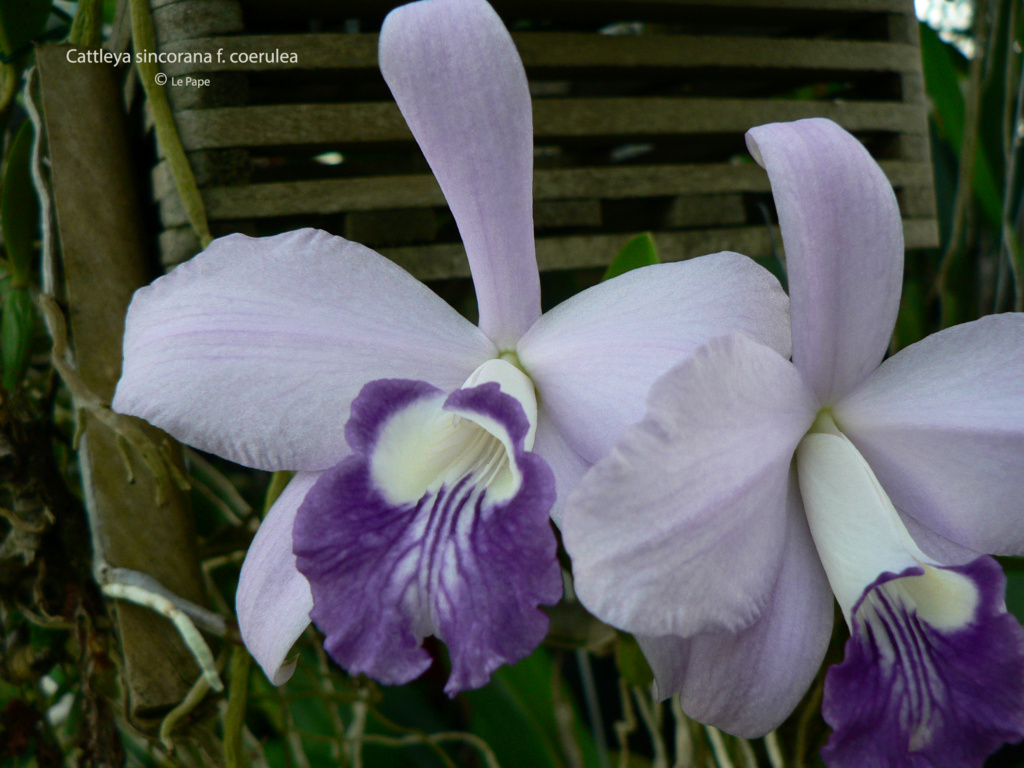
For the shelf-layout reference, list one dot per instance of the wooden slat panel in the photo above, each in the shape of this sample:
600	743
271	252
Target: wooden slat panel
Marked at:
892	6
447	260
434	262
672	116
197	18
583	50
176	245
813	39
917	202
315	51
553	49
334	196
405	191
296	124
347	8
920	233
704	210
550	214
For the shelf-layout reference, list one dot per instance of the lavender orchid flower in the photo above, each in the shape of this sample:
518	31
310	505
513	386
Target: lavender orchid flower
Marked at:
716	526
427	513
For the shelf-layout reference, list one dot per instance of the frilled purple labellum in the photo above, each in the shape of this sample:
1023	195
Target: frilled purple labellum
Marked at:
436	524
933	670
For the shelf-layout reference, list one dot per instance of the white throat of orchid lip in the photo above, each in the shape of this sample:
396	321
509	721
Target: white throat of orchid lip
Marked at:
859	536
425	447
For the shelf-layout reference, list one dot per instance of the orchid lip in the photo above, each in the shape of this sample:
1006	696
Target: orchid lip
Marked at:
932	671
437	524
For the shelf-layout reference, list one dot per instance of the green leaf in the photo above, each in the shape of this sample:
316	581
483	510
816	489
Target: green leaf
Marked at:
631	662
19	207
1015	594
278	482
641	251
515	714
942	81
20	22
16	328
985	187
912	322
413	706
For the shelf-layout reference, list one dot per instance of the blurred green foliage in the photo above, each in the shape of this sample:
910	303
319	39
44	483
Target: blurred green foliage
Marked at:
641	251
21	21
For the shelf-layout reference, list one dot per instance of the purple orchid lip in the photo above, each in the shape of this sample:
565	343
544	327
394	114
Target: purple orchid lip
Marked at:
909	690
435	525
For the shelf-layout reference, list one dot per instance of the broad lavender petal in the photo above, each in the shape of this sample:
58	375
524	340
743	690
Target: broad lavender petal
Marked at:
933	676
456	75
255	349
942	425
273	599
692	500
935	546
595	356
844	249
398	542
747	683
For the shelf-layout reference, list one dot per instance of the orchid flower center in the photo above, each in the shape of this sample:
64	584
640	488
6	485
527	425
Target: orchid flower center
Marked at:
861	538
422	450
511	357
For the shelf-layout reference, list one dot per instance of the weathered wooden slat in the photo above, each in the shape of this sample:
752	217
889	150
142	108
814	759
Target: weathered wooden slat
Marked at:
400	227
917	201
705	210
434	262
314	51
411	190
332	196
176	245
347	8
676	116
318	124
182	20
860	6
551	214
447	260
556	49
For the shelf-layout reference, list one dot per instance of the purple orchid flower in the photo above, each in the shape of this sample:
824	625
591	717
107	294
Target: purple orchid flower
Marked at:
427	513
716	526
